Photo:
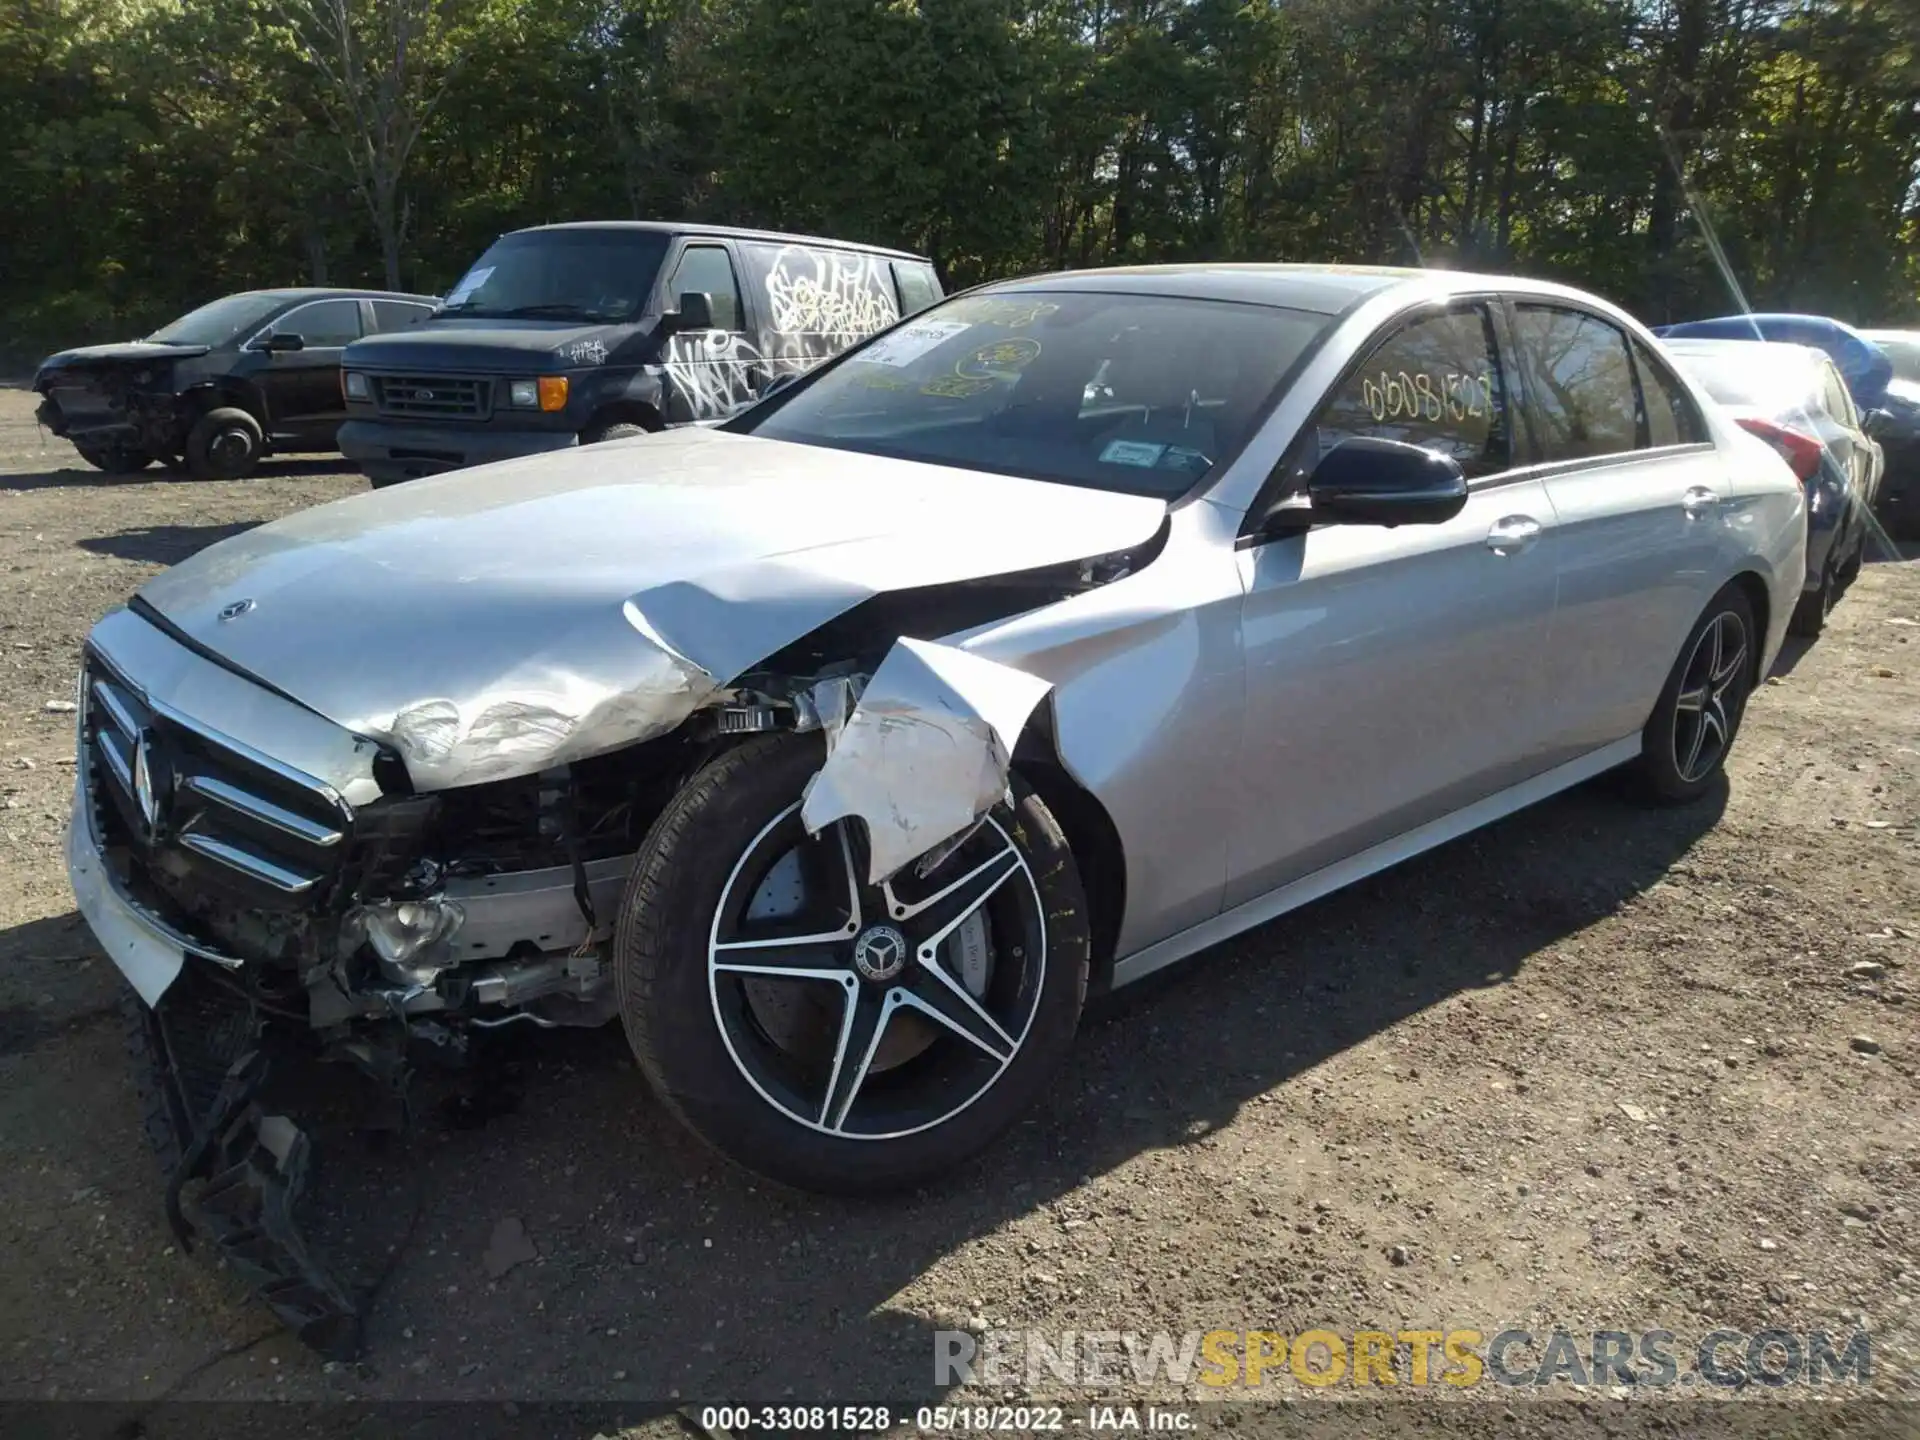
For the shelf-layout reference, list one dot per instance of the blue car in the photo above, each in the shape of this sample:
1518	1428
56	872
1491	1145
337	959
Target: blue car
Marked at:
1862	364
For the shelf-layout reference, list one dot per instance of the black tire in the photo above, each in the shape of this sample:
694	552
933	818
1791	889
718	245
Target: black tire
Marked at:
115	459
380	478
619	430
1670	770
224	444
1810	612
687	869
1849	570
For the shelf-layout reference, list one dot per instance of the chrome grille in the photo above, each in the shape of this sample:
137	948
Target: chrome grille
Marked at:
438	397
192	806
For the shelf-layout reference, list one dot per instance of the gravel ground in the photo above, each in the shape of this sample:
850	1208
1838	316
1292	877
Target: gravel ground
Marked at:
1595	1067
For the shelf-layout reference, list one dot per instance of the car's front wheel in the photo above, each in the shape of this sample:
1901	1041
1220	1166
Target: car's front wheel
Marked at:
1686	740
832	1034
115	459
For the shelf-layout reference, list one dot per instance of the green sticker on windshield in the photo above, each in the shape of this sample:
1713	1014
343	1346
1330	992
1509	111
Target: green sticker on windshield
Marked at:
1132	452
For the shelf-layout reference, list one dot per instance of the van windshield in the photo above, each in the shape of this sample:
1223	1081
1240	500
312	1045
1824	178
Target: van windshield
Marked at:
1144	394
586	276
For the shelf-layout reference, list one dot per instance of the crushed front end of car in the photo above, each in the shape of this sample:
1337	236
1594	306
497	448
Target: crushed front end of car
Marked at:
118	404
372	830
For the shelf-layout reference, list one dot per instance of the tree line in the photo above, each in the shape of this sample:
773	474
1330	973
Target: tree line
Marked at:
1679	156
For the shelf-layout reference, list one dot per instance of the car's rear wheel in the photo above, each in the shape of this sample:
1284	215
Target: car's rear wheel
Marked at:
1686	740
115	459
224	444
1856	557
831	1034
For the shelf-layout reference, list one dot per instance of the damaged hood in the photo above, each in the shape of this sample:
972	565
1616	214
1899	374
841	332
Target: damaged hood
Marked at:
135	352
493	622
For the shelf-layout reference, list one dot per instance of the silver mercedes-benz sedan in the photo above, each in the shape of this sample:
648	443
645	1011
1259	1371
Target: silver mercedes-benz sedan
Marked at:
841	750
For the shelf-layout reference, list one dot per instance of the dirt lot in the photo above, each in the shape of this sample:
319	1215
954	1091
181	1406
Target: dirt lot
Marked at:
1593	1068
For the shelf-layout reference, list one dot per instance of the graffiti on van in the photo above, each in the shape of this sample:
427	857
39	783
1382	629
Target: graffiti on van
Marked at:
818	302
832	298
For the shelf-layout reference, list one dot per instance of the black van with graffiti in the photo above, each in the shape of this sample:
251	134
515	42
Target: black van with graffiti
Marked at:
567	335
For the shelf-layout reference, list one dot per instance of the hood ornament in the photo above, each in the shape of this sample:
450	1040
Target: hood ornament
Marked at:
235	610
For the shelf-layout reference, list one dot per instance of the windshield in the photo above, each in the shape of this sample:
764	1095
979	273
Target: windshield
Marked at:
1141	394
581	275
223	320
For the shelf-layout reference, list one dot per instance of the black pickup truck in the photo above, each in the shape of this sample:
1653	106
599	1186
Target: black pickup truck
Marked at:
221	386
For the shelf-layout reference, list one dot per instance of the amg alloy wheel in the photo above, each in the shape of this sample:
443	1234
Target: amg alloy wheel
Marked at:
830	1033
1692	727
1707	707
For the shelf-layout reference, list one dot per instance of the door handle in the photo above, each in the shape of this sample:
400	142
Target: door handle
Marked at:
1512	533
1698	501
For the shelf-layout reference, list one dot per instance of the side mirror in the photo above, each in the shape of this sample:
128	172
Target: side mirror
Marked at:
1875	421
694	312
283	341
1368	481
779	383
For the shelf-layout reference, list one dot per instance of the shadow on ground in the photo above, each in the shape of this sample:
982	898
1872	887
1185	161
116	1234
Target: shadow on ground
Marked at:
163	544
663	1271
80	476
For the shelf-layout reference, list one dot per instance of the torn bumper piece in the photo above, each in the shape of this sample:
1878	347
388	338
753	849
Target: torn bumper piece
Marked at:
257	1172
924	754
253	1165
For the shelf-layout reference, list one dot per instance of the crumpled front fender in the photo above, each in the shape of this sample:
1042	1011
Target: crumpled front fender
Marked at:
924	754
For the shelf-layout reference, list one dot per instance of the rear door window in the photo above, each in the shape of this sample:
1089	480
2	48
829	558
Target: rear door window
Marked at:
323	325
1584	398
398	314
1436	383
708	268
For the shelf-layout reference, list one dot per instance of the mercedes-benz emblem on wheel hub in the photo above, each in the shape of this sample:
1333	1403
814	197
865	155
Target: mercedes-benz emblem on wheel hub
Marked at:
880	953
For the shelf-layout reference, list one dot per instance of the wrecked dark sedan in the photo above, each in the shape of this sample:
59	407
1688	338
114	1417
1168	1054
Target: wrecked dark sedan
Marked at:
220	387
840	750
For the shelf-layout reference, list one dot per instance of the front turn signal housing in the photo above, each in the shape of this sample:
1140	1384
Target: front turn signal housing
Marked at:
553	392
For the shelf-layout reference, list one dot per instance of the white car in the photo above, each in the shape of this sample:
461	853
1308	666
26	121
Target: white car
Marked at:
1793	397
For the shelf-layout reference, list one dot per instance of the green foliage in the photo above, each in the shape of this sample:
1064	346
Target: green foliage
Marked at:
160	152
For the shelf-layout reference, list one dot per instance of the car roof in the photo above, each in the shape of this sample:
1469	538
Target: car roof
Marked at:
291	293
724	232
1322	289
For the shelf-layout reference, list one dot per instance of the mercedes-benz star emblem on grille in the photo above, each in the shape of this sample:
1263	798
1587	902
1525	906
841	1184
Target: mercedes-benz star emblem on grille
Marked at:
235	610
143	791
